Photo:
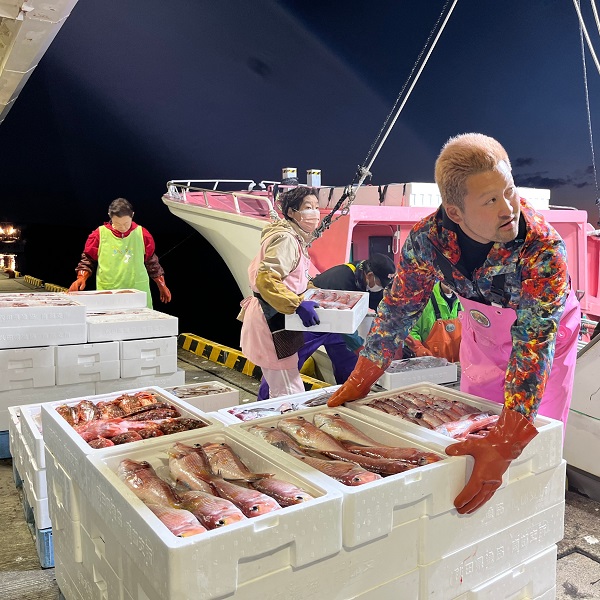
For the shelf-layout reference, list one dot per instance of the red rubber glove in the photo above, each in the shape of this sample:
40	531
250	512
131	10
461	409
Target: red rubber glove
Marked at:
165	294
493	454
79	284
358	385
417	347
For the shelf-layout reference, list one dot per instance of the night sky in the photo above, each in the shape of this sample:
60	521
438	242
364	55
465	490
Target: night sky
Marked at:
133	93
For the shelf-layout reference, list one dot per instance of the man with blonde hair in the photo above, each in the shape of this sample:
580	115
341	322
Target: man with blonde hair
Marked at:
521	319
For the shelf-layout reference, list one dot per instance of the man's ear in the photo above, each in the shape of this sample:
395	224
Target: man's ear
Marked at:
454	213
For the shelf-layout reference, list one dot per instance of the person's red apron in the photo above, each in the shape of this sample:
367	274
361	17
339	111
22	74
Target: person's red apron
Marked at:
485	349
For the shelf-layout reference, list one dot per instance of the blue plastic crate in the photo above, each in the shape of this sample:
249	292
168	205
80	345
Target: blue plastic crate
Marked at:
4	445
41	537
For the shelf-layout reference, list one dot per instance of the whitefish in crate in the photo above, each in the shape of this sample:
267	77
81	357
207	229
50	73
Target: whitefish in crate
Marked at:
338	311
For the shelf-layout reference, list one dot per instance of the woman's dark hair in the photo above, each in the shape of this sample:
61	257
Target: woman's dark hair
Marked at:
120	208
293	198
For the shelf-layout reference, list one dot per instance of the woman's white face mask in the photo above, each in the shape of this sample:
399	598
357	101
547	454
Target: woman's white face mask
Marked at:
374	288
308	219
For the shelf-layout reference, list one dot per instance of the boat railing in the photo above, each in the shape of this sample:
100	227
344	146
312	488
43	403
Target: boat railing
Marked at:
256	201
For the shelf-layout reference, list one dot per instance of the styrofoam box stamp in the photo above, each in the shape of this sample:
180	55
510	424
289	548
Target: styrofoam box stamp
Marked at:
217	561
333	319
131	324
101	300
206	395
26	358
543	452
148	348
375	509
64	443
416	374
269	408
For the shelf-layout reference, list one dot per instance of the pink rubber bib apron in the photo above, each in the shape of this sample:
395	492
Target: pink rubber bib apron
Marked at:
485	349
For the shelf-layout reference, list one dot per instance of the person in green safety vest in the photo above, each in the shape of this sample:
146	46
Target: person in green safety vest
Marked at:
124	254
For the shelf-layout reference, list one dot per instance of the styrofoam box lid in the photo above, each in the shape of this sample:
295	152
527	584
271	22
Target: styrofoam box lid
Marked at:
543	452
96	300
372	509
44	308
332	319
295	402
69	447
442	374
209	561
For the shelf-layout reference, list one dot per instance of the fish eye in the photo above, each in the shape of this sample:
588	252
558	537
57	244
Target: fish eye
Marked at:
220	523
254	508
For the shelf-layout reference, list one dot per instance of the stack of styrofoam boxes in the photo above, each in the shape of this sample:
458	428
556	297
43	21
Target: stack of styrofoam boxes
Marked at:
147	339
108	544
511	540
30	325
332	319
417	371
421	194
66	472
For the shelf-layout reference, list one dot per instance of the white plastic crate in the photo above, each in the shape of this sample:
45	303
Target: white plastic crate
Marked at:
148	348
162	381
374	509
34	377
543	452
156	365
332	319
139	323
101	300
26	358
207	395
216	561
294	401
485	559
534	578
442	374
69	448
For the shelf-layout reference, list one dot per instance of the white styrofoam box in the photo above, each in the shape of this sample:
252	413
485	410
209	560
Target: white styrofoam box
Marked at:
148	348
69	448
4	419
102	300
63	491
35	474
365	325
538	198
214	561
532	578
88	372
21	379
39	506
26	358
157	365
581	440
332	319
162	381
543	452
86	354
373	509
39	309
207	395
443	534
65	574
421	194
21	336
291	402
138	323
442	374
486	558
14	429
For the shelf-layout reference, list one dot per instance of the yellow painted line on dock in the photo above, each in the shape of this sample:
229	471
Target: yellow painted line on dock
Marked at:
232	358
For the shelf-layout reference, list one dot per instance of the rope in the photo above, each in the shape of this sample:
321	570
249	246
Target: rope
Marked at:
587	98
177	245
364	171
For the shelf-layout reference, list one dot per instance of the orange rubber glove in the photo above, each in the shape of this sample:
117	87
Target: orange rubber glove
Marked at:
493	454
165	294
358	385
417	347
79	284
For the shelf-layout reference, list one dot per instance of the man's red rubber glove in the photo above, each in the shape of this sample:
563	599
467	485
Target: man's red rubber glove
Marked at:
493	454
79	284
165	294
358	385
